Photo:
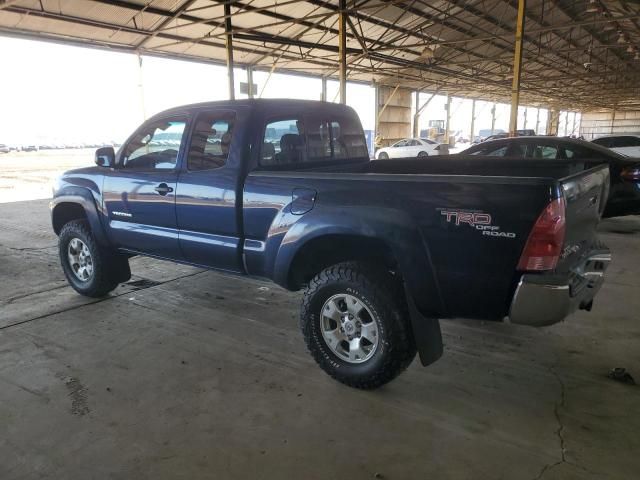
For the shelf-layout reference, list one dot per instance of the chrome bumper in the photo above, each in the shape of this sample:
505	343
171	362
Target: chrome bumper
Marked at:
539	302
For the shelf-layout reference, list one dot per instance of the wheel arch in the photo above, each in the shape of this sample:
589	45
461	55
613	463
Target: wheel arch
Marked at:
319	252
76	206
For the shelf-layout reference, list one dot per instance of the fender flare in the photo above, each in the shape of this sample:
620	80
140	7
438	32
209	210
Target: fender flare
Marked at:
425	304
84	198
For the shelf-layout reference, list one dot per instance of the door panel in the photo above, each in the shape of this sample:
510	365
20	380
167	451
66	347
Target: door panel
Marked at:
206	198
139	195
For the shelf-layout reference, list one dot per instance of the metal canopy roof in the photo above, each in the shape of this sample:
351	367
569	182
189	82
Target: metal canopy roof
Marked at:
577	54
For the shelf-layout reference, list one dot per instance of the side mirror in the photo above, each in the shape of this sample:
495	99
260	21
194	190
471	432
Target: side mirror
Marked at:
106	157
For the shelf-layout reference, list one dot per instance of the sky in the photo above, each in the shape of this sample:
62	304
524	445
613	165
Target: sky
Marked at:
52	93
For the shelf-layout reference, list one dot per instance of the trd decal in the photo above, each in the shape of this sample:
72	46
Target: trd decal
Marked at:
477	220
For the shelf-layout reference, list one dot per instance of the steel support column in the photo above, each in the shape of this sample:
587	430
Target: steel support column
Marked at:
141	87
473	119
342	49
613	120
323	93
447	124
416	116
517	67
537	119
553	121
493	118
229	45
419	109
251	93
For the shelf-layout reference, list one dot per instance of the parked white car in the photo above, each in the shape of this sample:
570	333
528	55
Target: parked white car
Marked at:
409	147
628	145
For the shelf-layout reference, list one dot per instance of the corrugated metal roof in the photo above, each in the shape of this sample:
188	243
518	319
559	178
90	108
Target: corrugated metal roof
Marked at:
577	54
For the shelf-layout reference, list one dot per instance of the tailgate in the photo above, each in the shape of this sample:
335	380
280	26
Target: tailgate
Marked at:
585	197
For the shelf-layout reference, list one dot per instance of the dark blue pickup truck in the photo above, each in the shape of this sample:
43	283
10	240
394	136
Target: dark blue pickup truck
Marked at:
285	190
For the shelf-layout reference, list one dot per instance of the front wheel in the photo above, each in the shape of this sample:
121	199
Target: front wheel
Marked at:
383	156
423	154
356	326
90	269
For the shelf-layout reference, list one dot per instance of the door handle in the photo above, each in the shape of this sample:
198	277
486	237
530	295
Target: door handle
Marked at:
163	189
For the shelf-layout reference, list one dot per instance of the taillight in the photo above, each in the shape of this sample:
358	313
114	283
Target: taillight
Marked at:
546	239
631	174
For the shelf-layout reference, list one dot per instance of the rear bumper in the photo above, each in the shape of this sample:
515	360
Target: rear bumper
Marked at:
539	301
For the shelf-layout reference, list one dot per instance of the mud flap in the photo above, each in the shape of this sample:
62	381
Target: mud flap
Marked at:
426	333
119	265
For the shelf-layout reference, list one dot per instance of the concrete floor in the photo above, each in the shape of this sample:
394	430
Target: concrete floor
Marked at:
186	374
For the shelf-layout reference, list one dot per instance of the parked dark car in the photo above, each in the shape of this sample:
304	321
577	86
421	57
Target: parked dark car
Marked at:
285	190
627	145
519	133
624	195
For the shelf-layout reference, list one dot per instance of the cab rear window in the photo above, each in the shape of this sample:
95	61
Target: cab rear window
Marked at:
311	140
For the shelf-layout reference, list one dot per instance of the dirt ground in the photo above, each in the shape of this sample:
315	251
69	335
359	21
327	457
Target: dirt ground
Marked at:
29	175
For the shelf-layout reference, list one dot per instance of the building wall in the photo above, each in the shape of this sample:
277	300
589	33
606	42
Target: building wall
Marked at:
609	122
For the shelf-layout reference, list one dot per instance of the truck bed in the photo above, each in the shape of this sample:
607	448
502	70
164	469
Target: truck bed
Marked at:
413	203
466	165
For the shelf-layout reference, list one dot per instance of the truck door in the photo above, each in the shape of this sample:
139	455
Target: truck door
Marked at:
139	194
208	218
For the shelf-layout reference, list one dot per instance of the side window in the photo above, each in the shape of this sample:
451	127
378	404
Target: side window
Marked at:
293	142
210	140
283	143
492	151
549	152
605	142
337	139
626	142
517	149
577	152
401	143
155	146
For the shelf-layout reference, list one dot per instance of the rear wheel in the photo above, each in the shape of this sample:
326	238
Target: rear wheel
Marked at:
90	269
383	156
423	154
355	324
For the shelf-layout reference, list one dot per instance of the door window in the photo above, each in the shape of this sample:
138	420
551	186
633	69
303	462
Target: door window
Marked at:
401	143
154	146
210	141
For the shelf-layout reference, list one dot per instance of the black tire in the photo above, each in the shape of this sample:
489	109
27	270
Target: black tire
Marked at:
108	268
383	156
383	297
423	154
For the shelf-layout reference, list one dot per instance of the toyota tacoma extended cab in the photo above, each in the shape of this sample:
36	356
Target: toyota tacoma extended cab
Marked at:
383	249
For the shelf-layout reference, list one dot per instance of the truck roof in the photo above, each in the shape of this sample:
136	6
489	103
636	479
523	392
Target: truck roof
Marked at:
261	104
